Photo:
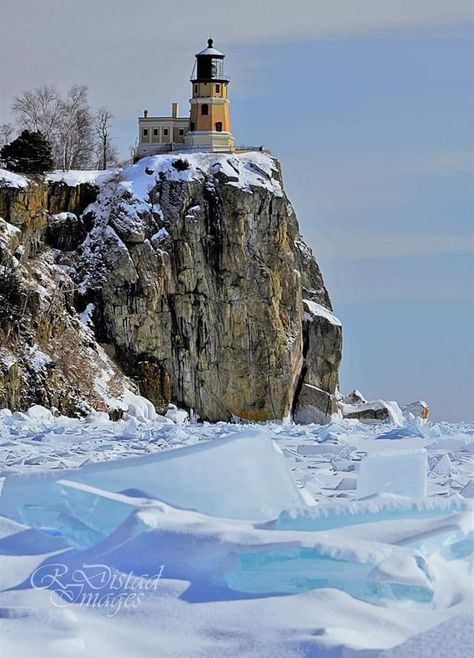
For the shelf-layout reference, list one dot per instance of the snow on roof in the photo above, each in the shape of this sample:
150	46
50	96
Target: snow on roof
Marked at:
211	51
316	309
9	179
77	177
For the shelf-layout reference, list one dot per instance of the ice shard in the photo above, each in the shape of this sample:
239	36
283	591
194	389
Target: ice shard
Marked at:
244	476
402	472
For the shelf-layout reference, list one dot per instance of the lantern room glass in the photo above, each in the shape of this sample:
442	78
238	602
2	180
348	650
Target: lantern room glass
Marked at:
217	68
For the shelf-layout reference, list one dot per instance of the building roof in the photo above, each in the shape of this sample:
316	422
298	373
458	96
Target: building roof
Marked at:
210	50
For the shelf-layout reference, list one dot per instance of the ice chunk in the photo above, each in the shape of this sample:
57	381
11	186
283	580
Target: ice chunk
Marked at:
178	416
139	407
381	508
346	484
319	449
243	476
37	412
401	432
93	513
264	561
449	443
468	490
403	473
98	419
442	466
289	570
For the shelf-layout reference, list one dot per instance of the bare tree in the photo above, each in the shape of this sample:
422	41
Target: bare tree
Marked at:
38	110
132	151
75	129
78	137
106	151
6	134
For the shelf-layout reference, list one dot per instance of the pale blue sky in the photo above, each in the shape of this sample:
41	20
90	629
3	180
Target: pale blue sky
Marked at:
368	105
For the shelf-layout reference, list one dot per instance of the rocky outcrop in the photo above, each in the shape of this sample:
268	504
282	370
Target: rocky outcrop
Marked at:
373	411
198	285
47	355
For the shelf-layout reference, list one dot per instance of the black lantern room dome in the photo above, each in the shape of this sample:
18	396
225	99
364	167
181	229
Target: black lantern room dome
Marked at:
210	65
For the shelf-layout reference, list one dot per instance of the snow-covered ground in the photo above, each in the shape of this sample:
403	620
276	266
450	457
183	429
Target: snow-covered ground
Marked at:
190	549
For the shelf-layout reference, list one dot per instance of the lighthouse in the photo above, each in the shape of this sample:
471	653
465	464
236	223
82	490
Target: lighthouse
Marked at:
209	125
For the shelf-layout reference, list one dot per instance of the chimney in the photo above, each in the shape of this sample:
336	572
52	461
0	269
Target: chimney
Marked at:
145	113
174	110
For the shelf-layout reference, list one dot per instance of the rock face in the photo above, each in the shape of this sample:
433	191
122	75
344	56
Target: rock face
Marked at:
196	282
376	410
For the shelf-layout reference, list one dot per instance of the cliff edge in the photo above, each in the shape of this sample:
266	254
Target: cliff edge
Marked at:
182	276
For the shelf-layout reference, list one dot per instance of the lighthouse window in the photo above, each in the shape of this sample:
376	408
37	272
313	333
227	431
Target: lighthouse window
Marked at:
155	131
195	89
165	131
145	132
218	89
219	126
217	68
204	108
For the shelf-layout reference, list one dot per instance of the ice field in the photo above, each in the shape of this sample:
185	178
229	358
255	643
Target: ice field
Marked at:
151	536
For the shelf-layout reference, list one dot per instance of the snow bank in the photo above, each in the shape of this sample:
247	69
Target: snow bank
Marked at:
447	640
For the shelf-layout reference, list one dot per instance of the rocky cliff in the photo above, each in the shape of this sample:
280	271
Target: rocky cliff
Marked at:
184	276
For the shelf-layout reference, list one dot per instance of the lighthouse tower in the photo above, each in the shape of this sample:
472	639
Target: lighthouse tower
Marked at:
209	128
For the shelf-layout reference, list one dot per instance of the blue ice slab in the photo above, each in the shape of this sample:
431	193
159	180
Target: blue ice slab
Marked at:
93	513
244	476
97	509
53	520
289	570
382	508
460	549
402	472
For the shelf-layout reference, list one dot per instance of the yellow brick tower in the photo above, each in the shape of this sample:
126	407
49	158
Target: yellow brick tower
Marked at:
209	128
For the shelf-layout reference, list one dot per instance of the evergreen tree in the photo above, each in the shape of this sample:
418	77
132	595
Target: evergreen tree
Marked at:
30	153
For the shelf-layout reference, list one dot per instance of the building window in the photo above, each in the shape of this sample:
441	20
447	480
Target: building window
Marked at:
218	89
195	89
181	132
192	126
145	132
205	108
155	131
165	131
219	126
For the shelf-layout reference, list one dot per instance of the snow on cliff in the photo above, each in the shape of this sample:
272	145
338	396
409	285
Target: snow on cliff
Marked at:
243	170
9	179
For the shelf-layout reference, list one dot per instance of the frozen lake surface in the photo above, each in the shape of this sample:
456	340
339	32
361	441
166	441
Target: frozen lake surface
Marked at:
275	540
